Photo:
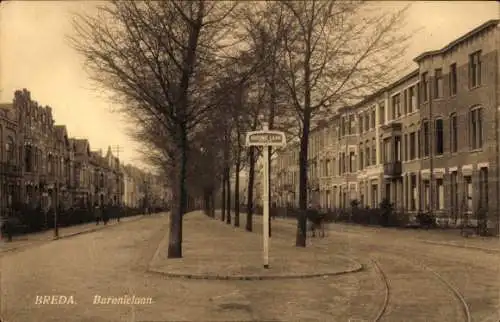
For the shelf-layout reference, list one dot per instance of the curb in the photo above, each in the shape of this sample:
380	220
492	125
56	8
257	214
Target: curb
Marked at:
460	246
42	242
97	229
357	268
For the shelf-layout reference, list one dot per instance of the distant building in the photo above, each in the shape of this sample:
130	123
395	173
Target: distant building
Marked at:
41	166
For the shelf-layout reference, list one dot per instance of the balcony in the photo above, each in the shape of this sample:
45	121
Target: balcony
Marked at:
393	169
392	129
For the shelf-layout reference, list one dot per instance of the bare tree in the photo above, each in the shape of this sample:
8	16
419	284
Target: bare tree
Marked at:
238	146
336	53
157	58
265	26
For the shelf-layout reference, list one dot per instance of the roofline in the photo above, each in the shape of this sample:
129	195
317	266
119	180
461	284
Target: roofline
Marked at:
484	26
381	91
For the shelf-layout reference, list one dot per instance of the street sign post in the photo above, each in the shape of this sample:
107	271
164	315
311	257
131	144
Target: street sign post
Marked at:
265	138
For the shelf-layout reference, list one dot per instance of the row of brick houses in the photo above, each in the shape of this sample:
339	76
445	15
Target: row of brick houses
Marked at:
42	166
429	141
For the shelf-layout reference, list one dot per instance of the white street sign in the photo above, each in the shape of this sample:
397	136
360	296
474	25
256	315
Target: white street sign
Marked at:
265	138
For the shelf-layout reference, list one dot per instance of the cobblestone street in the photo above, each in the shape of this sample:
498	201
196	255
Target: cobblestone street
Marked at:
114	262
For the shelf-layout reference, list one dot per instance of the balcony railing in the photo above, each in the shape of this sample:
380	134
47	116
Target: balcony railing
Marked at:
393	169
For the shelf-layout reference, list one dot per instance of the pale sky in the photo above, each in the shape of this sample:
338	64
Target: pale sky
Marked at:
34	54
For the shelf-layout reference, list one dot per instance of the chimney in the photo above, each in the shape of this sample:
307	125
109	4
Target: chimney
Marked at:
27	94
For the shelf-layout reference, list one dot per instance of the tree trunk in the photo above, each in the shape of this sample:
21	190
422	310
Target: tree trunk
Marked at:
206	201
223	197
300	240
228	189
237	192
302	218
251	174
175	236
212	203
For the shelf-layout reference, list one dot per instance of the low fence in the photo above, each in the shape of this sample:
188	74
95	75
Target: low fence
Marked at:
386	217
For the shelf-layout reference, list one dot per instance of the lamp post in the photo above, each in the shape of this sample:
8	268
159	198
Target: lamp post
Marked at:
56	203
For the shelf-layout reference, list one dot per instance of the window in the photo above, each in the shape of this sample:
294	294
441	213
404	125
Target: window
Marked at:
440	194
453	79
28	158
351	125
483	188
453	133
454	193
414	195
397	148
372	119
418	142
382	114
439	137
340	164
10	150
475	69
367	122
413	145
468	193
425	136
360	123
361	157
387	151
406	146
352	162
412	99
396	106
476	128
427	194
343	163
424	85
327	168
405	102
438	83
368	155
374	152
374	196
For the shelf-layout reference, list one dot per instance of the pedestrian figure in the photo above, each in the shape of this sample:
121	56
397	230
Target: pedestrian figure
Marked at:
316	221
97	213
273	211
105	213
118	212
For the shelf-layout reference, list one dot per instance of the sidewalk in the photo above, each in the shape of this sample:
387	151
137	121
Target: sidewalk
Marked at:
23	241
214	250
443	237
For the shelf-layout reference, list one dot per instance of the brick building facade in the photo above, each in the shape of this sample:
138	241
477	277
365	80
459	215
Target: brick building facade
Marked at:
41	166
429	141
